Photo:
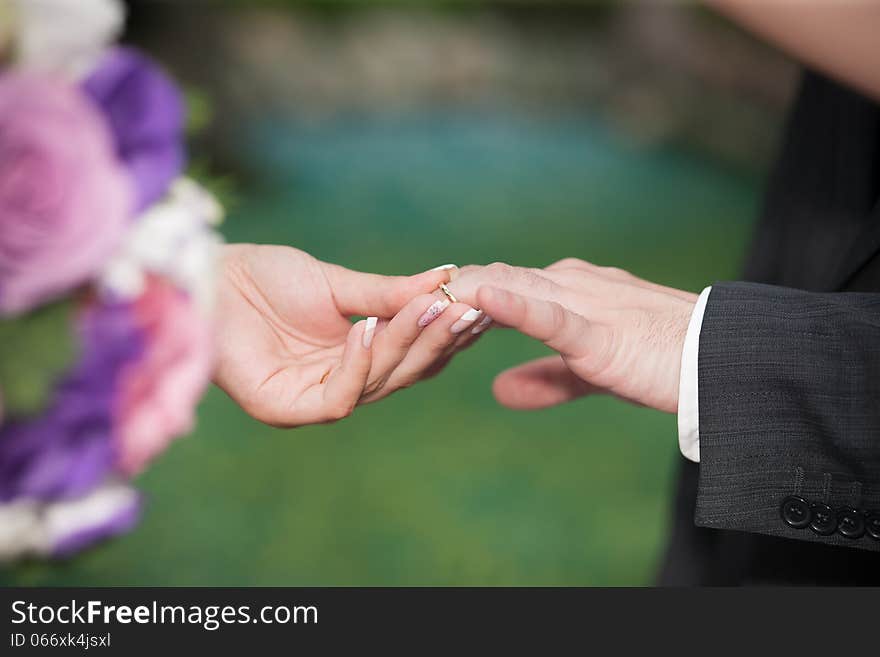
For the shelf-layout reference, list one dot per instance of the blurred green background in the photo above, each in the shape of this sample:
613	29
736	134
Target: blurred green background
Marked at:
394	140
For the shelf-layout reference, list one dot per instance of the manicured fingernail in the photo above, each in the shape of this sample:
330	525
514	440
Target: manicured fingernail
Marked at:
468	318
482	326
449	266
369	330
433	312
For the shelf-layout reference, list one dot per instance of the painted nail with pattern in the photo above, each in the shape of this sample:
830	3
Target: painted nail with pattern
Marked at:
433	312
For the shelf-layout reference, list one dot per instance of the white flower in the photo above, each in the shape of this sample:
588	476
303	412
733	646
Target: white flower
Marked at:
29	527
173	238
66	518
21	532
65	36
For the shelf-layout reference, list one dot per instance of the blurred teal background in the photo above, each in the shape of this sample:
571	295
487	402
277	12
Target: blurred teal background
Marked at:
438	485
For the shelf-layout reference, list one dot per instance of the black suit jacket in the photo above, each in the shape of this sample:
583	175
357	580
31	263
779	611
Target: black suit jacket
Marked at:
788	485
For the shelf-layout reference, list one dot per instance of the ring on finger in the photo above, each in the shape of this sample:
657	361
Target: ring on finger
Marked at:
449	295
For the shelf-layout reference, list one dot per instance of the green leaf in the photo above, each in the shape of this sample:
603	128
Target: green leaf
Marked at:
35	349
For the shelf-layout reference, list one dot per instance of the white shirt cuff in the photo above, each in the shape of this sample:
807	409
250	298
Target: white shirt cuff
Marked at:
688	394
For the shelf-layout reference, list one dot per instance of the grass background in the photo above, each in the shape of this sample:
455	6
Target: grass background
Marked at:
438	485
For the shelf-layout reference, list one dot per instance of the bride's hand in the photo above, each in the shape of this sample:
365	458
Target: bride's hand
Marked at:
287	351
419	341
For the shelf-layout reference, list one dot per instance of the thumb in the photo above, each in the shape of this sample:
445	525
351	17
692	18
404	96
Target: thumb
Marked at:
359	293
538	384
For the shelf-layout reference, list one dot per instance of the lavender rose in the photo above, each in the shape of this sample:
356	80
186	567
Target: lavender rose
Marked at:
70	448
64	199
145	112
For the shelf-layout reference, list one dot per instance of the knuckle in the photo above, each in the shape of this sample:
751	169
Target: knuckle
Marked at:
568	263
533	276
468	269
617	273
498	270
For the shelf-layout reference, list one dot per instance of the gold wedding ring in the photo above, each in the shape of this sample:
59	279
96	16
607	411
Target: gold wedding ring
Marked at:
449	295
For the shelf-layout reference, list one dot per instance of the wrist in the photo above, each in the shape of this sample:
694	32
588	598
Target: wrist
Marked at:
678	331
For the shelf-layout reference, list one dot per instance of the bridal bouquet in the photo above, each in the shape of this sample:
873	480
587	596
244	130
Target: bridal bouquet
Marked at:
106	275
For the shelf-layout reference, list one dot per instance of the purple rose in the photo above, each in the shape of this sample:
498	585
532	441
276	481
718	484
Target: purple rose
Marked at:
70	448
64	199
145	113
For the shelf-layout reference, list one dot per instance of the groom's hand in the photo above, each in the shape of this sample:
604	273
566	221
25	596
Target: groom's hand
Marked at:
287	351
615	333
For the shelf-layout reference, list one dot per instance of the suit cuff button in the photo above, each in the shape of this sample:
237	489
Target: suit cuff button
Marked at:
850	523
872	525
795	512
823	520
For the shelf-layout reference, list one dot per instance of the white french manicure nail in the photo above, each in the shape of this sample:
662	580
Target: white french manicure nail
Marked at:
468	318
482	326
369	330
433	312
449	266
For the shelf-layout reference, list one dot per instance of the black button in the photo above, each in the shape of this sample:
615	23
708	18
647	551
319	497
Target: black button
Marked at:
823	520
872	525
795	512
850	523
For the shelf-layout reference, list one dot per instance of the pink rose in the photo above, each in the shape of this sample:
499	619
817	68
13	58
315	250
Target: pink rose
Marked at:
64	197
161	391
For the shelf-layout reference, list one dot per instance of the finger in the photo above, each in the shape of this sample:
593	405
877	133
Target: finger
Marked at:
469	333
451	270
336	397
435	368
551	323
571	263
464	271
429	348
484	323
394	341
521	280
538	384
359	293
463	342
615	275
469	328
471	323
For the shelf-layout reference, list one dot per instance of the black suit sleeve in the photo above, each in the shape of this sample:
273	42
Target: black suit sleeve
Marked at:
789	403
